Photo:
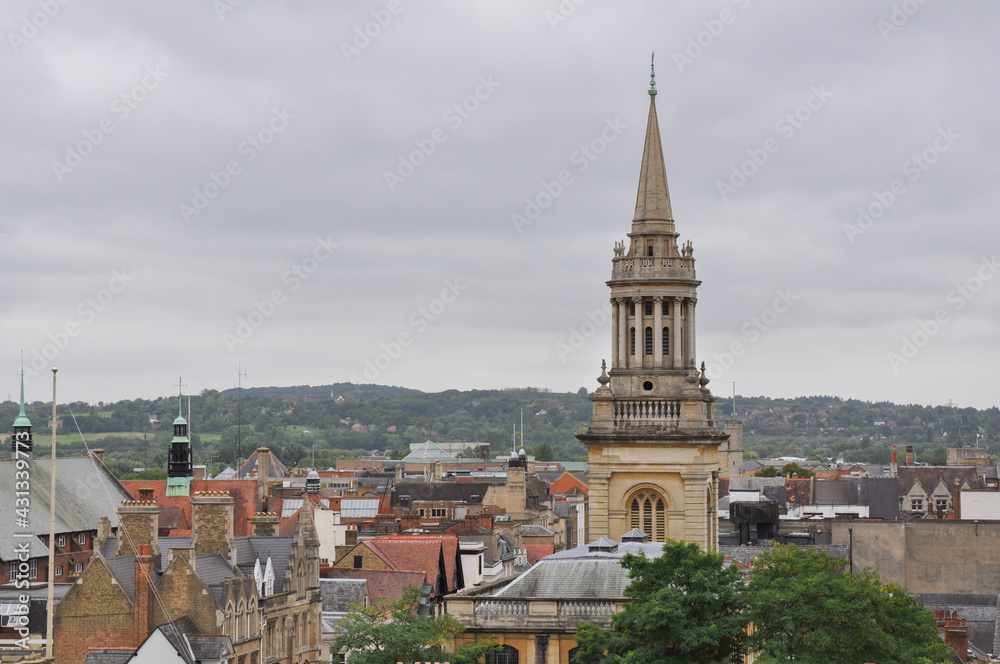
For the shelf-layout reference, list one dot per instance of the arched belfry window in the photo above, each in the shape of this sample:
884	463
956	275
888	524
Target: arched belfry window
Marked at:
647	511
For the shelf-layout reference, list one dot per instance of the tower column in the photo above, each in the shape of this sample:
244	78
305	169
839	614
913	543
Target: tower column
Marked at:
690	333
658	331
675	333
639	331
615	346
622	332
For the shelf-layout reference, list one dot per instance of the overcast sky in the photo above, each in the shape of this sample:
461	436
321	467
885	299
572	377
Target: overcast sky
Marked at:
295	188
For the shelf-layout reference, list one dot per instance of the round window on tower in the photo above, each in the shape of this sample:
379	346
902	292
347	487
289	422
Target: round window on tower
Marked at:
648	385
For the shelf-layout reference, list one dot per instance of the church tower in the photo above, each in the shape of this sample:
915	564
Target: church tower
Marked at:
653	445
21	441
179	468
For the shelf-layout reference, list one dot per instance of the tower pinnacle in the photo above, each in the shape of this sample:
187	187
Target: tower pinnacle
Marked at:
22	419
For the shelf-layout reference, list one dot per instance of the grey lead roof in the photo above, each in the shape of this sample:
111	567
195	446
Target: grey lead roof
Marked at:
85	491
579	573
340	594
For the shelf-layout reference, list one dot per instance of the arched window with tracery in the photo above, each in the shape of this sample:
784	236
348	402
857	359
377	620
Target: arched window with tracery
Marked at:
647	511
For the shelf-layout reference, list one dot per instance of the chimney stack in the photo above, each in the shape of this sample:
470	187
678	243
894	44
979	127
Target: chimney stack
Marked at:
97	455
893	466
265	524
138	525
185	552
144	578
956	500
262	466
909	455
212	524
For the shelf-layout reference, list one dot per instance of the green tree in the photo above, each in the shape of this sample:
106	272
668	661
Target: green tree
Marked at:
806	608
793	468
686	607
387	632
769	471
543	452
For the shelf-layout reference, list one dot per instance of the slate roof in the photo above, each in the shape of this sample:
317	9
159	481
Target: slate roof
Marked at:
381	582
109	655
453	492
75	477
579	573
428	452
209	646
531	530
340	594
979	611
929	476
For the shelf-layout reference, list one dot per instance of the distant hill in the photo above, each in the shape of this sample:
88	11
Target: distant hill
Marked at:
317	425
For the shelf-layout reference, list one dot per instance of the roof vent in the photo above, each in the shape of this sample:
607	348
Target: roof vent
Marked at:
604	544
635	535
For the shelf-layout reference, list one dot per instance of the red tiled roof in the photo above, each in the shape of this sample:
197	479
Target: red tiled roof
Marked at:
422	552
538	551
244	492
566	482
381	583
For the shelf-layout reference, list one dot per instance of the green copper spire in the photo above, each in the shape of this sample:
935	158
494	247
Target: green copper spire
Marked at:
652	76
22	419
180	407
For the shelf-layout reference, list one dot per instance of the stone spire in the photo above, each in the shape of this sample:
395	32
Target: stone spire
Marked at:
653	200
22	419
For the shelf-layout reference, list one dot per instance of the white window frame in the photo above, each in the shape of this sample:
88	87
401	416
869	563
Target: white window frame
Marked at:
33	569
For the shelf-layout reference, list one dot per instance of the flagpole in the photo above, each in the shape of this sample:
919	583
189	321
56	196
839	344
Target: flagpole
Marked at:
52	529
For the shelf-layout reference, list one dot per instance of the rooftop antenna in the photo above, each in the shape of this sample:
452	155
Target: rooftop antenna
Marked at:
522	428
734	399
240	374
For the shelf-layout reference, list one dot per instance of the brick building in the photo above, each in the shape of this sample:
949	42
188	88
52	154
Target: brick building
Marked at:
225	584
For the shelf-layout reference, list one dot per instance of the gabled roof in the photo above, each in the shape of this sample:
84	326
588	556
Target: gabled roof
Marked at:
433	555
75	477
929	476
190	645
569	483
428	452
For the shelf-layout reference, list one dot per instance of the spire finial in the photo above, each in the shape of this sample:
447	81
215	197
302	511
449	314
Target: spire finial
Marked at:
21	414
652	75
180	399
